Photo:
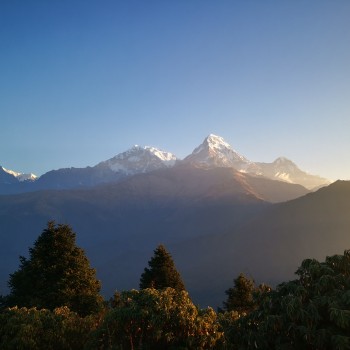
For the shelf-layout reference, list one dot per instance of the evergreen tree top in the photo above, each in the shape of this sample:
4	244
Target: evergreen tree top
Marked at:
57	273
162	272
240	296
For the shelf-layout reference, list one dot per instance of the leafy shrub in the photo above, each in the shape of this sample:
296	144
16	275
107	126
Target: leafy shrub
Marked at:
157	319
311	312
23	328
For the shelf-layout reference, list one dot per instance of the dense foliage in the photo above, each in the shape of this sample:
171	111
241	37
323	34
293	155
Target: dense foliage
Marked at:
158	319
311	312
57	273
162	272
32	329
58	306
146	319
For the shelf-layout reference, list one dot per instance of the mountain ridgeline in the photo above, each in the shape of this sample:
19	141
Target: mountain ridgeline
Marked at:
217	212
213	152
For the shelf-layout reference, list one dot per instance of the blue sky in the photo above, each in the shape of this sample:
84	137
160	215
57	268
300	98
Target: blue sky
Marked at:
81	81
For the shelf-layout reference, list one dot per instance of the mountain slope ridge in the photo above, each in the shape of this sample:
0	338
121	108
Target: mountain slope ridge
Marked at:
270	245
213	152
136	213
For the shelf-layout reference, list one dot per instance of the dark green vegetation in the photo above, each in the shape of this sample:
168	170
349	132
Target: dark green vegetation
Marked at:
161	272
242	296
311	312
57	273
58	307
158	319
31	329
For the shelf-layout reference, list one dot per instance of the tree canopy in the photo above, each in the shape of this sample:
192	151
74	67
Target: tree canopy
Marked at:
158	320
55	288
57	273
162	272
240	296
311	312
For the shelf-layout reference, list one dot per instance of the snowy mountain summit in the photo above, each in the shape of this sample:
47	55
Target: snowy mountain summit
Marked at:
139	159
14	176
216	152
285	170
213	152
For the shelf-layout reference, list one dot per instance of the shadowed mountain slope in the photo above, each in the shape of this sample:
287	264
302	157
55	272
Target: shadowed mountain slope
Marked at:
271	245
119	224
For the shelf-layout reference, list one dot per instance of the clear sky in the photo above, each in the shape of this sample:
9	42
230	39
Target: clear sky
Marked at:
81	81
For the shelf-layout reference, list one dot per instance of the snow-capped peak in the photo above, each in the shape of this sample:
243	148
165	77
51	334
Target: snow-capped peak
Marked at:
217	142
285	164
213	142
166	157
282	160
137	152
215	151
140	159
20	176
284	169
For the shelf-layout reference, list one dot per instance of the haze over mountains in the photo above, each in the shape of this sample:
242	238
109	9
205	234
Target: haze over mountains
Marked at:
213	152
218	213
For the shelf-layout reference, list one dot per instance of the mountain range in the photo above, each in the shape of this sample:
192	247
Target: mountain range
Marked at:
218	213
213	152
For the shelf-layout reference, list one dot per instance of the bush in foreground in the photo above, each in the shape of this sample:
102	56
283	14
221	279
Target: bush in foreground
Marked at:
158	319
32	329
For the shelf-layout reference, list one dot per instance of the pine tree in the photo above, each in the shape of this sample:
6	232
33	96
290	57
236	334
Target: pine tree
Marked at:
162	272
240	297
57	273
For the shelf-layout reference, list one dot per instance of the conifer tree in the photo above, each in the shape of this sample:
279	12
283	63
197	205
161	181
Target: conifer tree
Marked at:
240	296
162	272
57	273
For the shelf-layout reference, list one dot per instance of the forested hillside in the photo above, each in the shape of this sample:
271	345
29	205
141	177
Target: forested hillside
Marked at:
54	303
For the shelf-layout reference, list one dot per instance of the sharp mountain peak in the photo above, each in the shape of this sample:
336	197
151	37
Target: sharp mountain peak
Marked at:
214	151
